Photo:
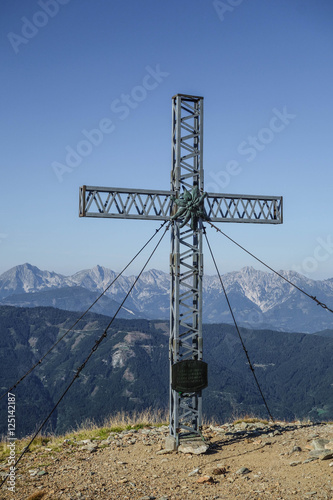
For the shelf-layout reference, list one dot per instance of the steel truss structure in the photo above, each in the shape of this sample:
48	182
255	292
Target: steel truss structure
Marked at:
119	203
186	258
186	262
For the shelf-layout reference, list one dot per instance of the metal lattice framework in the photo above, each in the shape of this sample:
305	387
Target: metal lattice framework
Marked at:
186	258
155	205
186	261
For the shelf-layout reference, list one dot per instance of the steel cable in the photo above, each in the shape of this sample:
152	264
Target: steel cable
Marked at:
318	302
82	315
93	349
237	329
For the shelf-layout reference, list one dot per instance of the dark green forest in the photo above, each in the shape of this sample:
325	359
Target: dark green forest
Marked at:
130	369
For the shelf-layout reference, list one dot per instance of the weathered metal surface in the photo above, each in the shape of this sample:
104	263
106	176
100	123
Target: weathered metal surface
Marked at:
118	203
190	375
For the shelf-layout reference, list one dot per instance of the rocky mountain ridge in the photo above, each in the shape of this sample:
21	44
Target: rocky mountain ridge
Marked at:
260	299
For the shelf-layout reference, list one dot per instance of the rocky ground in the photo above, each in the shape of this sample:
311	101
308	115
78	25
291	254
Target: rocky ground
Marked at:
244	461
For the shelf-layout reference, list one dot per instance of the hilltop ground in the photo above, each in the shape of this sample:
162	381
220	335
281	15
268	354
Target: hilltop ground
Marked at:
246	460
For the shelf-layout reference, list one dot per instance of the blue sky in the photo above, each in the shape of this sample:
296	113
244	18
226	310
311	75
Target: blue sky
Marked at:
67	64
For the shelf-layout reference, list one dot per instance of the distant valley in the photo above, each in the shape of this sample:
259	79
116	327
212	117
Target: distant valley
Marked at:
130	369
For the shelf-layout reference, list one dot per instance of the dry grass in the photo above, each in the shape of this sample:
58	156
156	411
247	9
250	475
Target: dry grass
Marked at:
90	430
144	418
250	420
114	423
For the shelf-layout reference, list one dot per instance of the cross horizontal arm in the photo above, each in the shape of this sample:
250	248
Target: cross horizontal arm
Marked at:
244	208
122	203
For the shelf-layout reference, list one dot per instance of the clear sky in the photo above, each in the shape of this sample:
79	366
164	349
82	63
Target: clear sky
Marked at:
66	67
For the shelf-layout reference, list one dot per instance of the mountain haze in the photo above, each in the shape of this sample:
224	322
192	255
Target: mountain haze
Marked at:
259	299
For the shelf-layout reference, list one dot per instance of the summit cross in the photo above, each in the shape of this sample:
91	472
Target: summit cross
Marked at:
185	205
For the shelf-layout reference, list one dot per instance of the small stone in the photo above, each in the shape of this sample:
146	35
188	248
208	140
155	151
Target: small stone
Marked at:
322	454
216	429
242	425
243	470
105	442
170	443
296	449
84	441
293	464
37	495
90	447
163	452
326	455
42	473
205	479
315	453
193	447
194	472
219	470
319	444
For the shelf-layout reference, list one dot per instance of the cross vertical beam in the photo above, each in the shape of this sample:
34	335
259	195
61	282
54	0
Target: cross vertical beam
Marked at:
186	262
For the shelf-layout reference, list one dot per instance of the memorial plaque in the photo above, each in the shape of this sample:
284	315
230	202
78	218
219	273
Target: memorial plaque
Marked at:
190	375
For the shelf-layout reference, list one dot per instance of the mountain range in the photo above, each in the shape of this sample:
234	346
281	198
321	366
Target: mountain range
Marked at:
259	299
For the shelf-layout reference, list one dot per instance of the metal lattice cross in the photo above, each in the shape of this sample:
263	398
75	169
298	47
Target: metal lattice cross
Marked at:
185	205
